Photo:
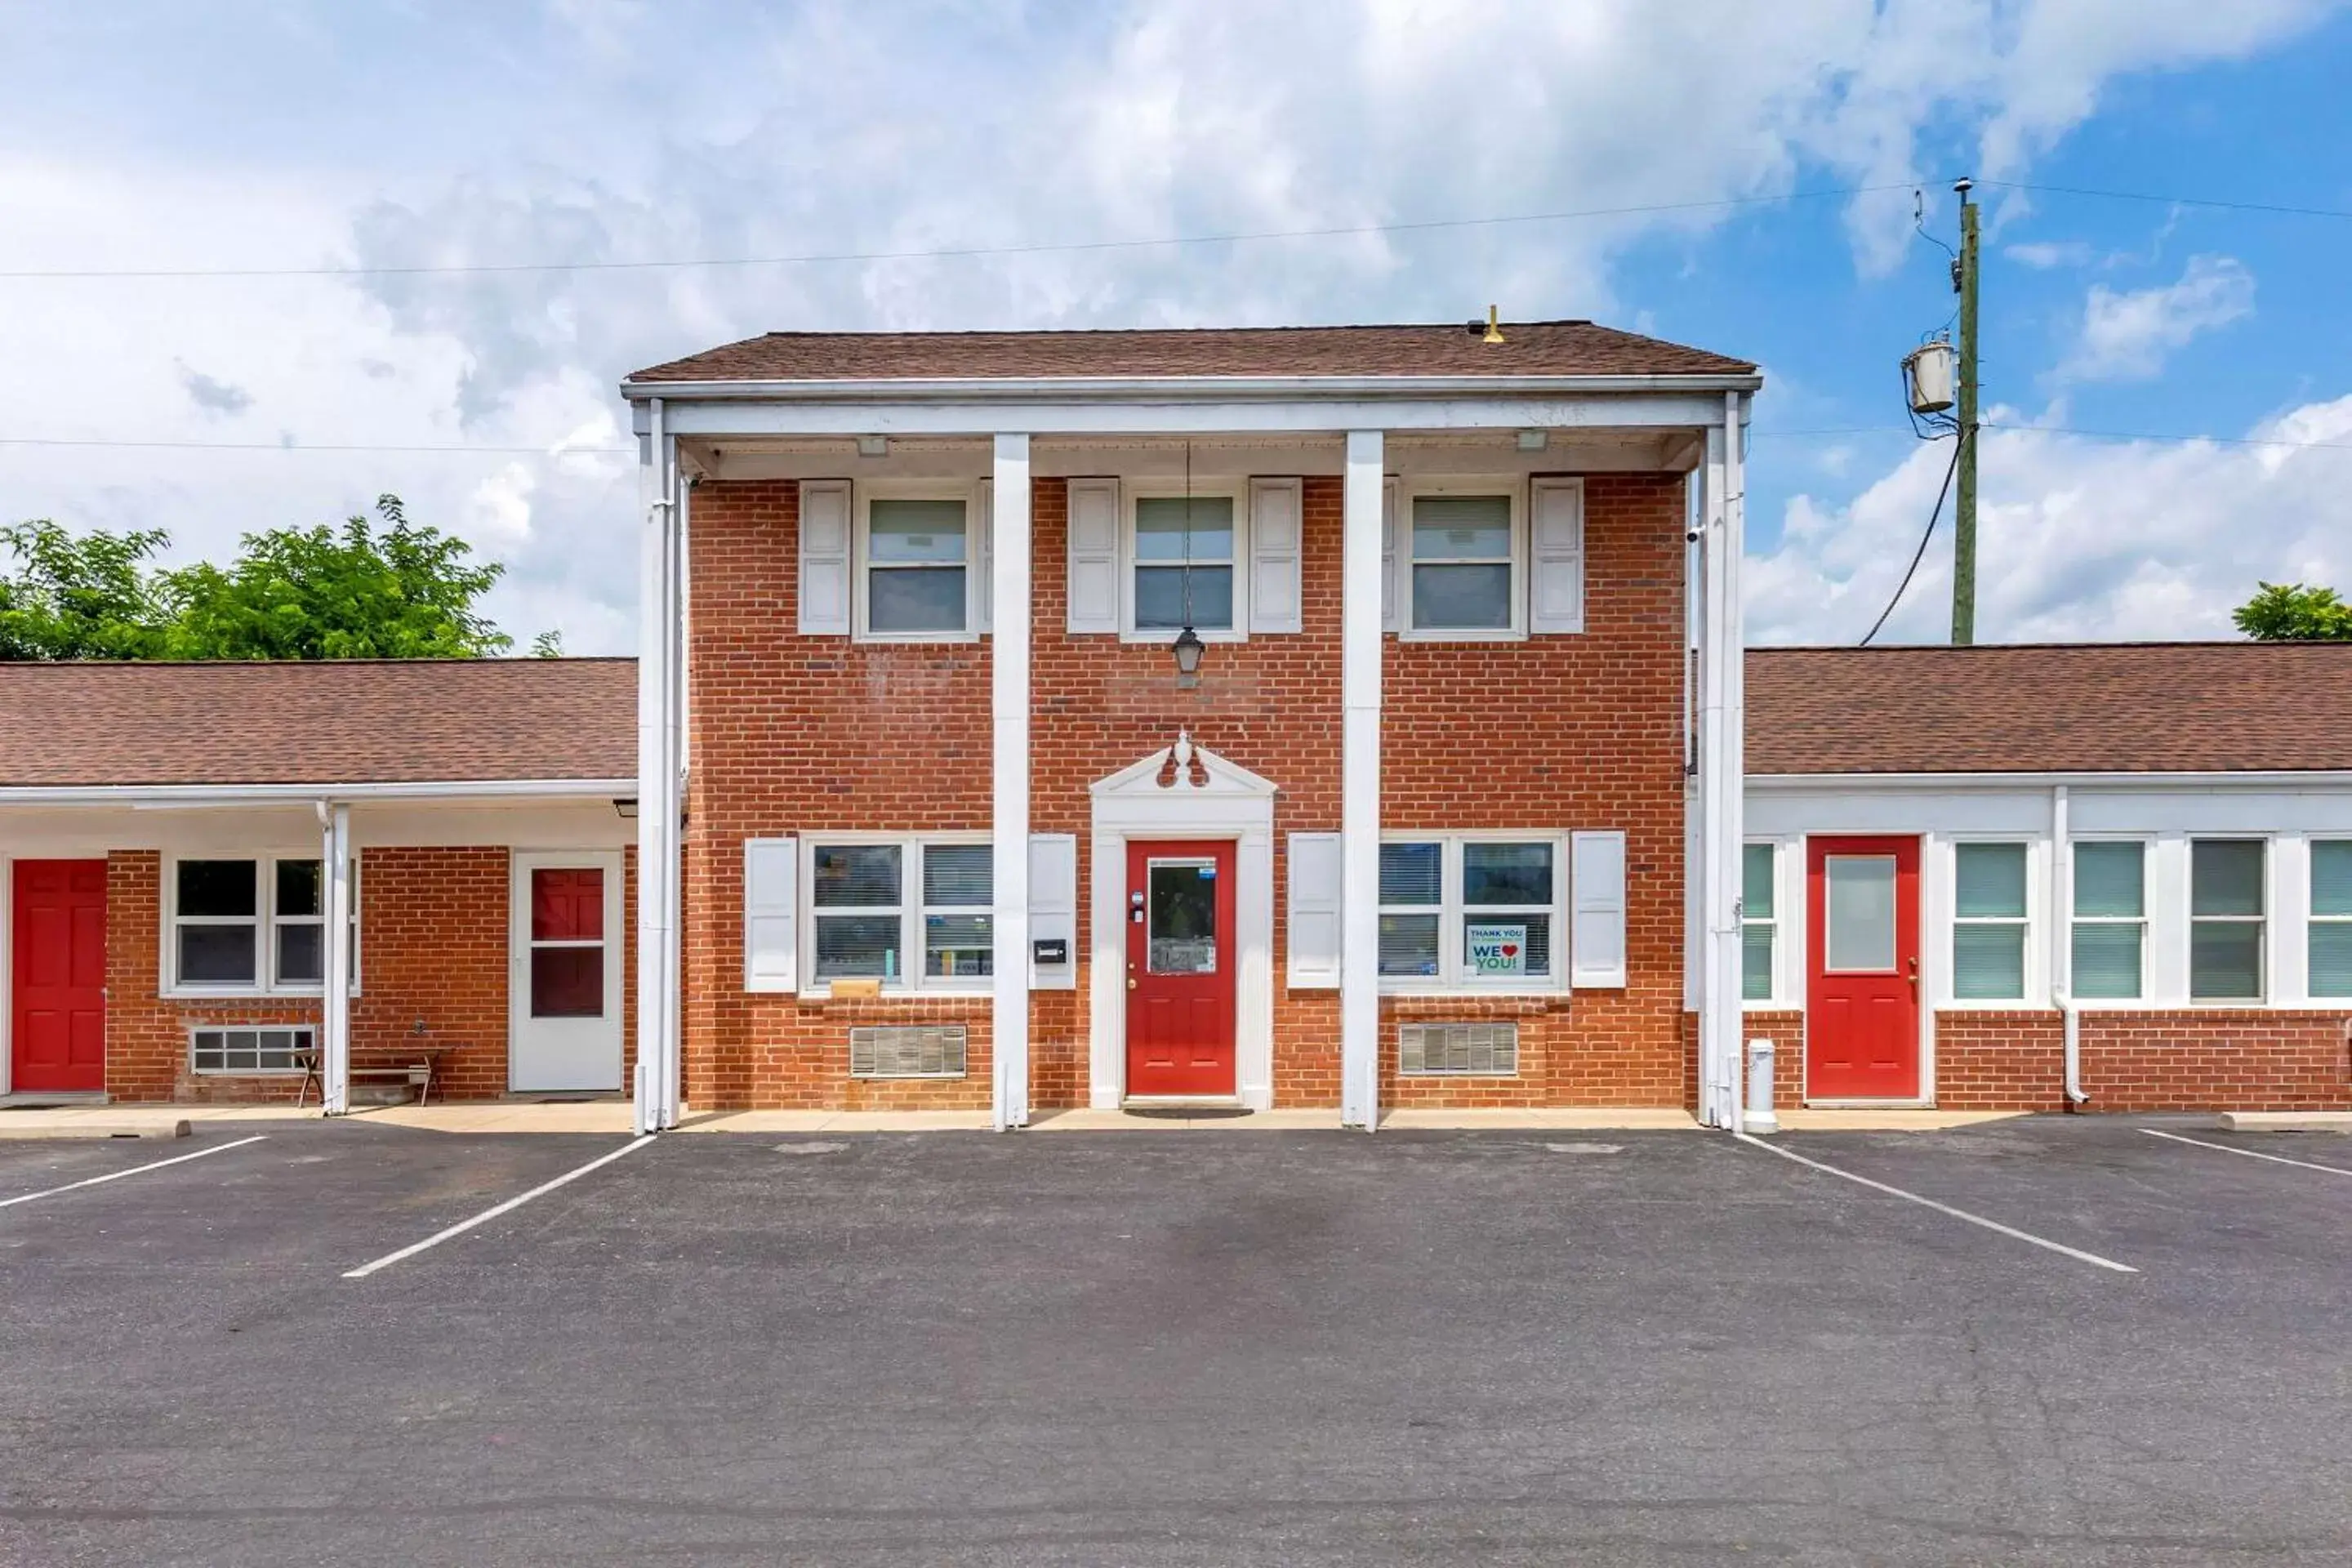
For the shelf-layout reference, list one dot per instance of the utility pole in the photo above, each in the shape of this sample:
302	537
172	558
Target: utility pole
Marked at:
1964	519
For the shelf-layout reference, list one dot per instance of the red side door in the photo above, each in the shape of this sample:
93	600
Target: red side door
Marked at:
1180	969
57	1024
1861	999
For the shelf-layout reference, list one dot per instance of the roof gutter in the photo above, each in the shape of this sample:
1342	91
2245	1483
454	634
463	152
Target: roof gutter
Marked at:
157	796
1174	388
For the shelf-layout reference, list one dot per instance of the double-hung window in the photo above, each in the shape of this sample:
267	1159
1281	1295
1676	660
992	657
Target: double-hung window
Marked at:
1470	913
2226	912
916	567
2110	935
1464	570
1989	923
251	927
1758	929
2331	917
911	914
1183	563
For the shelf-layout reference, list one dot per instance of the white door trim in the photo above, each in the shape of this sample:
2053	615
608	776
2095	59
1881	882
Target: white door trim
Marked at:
521	863
1231	804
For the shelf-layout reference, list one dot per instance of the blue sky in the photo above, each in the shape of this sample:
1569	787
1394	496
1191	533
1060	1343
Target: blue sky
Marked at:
285	134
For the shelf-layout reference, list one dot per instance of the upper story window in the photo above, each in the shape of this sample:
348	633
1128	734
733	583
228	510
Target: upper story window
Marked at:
2226	920
1183	560
917	566
250	927
1465	566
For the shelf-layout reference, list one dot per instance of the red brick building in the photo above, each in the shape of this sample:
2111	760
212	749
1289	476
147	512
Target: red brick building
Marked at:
179	842
2113	878
1315	718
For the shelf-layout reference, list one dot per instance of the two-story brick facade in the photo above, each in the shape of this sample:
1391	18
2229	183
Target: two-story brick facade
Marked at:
1317	717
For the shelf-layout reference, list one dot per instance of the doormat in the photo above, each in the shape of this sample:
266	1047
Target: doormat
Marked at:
1188	1112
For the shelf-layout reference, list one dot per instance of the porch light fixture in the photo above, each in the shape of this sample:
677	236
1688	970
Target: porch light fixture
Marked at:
874	446
1533	440
1189	648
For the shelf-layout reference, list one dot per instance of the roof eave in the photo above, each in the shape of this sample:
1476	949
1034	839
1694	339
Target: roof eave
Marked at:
1163	389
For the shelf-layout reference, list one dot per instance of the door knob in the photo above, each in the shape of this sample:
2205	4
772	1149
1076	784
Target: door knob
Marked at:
1131	982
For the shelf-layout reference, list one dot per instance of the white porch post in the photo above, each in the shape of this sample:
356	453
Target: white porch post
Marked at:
658	812
1359	784
1722	773
1009	815
335	956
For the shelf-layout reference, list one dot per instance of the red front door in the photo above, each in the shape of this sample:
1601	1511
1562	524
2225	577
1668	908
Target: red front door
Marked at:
58	1022
1180	969
1861	1001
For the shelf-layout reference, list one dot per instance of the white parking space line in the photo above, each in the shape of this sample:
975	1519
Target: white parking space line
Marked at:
487	1214
1992	1225
134	1171
2248	1154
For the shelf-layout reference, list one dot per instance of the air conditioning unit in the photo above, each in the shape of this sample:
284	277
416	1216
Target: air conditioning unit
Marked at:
1930	377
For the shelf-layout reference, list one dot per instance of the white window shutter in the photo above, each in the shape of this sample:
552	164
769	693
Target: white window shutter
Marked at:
1314	911
1053	908
771	914
825	558
1597	889
1275	535
1389	622
983	529
1094	556
1556	599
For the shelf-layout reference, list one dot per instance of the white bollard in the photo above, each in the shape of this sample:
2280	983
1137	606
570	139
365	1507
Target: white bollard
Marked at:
1759	1120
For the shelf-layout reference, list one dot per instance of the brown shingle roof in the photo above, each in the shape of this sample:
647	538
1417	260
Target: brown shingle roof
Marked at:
1529	348
356	721
2050	708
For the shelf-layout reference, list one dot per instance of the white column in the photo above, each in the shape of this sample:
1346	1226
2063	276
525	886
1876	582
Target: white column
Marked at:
1735	751
658	812
1360	785
335	955
1009	815
1716	1032
670	1090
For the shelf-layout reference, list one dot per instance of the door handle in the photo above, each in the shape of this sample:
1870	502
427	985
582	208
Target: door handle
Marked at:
1914	977
1131	982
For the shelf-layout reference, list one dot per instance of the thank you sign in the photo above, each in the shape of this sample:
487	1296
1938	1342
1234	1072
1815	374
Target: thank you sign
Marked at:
1498	950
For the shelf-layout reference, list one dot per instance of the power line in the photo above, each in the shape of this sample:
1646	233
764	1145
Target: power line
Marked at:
1919	554
949	253
2169	200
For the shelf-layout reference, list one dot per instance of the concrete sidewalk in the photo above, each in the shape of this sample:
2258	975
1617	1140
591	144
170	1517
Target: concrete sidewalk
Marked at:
616	1117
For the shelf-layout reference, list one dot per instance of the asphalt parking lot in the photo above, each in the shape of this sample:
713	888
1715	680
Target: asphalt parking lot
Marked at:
1197	1347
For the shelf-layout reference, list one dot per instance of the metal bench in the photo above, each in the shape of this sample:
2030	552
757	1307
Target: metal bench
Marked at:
413	1063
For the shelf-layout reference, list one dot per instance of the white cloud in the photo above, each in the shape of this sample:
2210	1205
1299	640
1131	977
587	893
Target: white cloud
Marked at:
2076	538
2125	334
2044	255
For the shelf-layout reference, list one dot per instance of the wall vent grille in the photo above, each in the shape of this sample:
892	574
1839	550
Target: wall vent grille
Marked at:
906	1050
1458	1050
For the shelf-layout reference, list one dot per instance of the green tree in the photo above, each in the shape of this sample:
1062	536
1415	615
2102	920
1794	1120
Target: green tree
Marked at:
2289	612
91	596
350	593
398	591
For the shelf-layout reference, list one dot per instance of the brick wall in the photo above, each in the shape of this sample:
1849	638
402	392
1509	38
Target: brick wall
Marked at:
2179	1059
794	734
433	940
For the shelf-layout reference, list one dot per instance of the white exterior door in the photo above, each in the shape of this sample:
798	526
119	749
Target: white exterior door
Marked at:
563	977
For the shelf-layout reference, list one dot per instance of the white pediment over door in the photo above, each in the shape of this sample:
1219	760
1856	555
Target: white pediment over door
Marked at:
1181	772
